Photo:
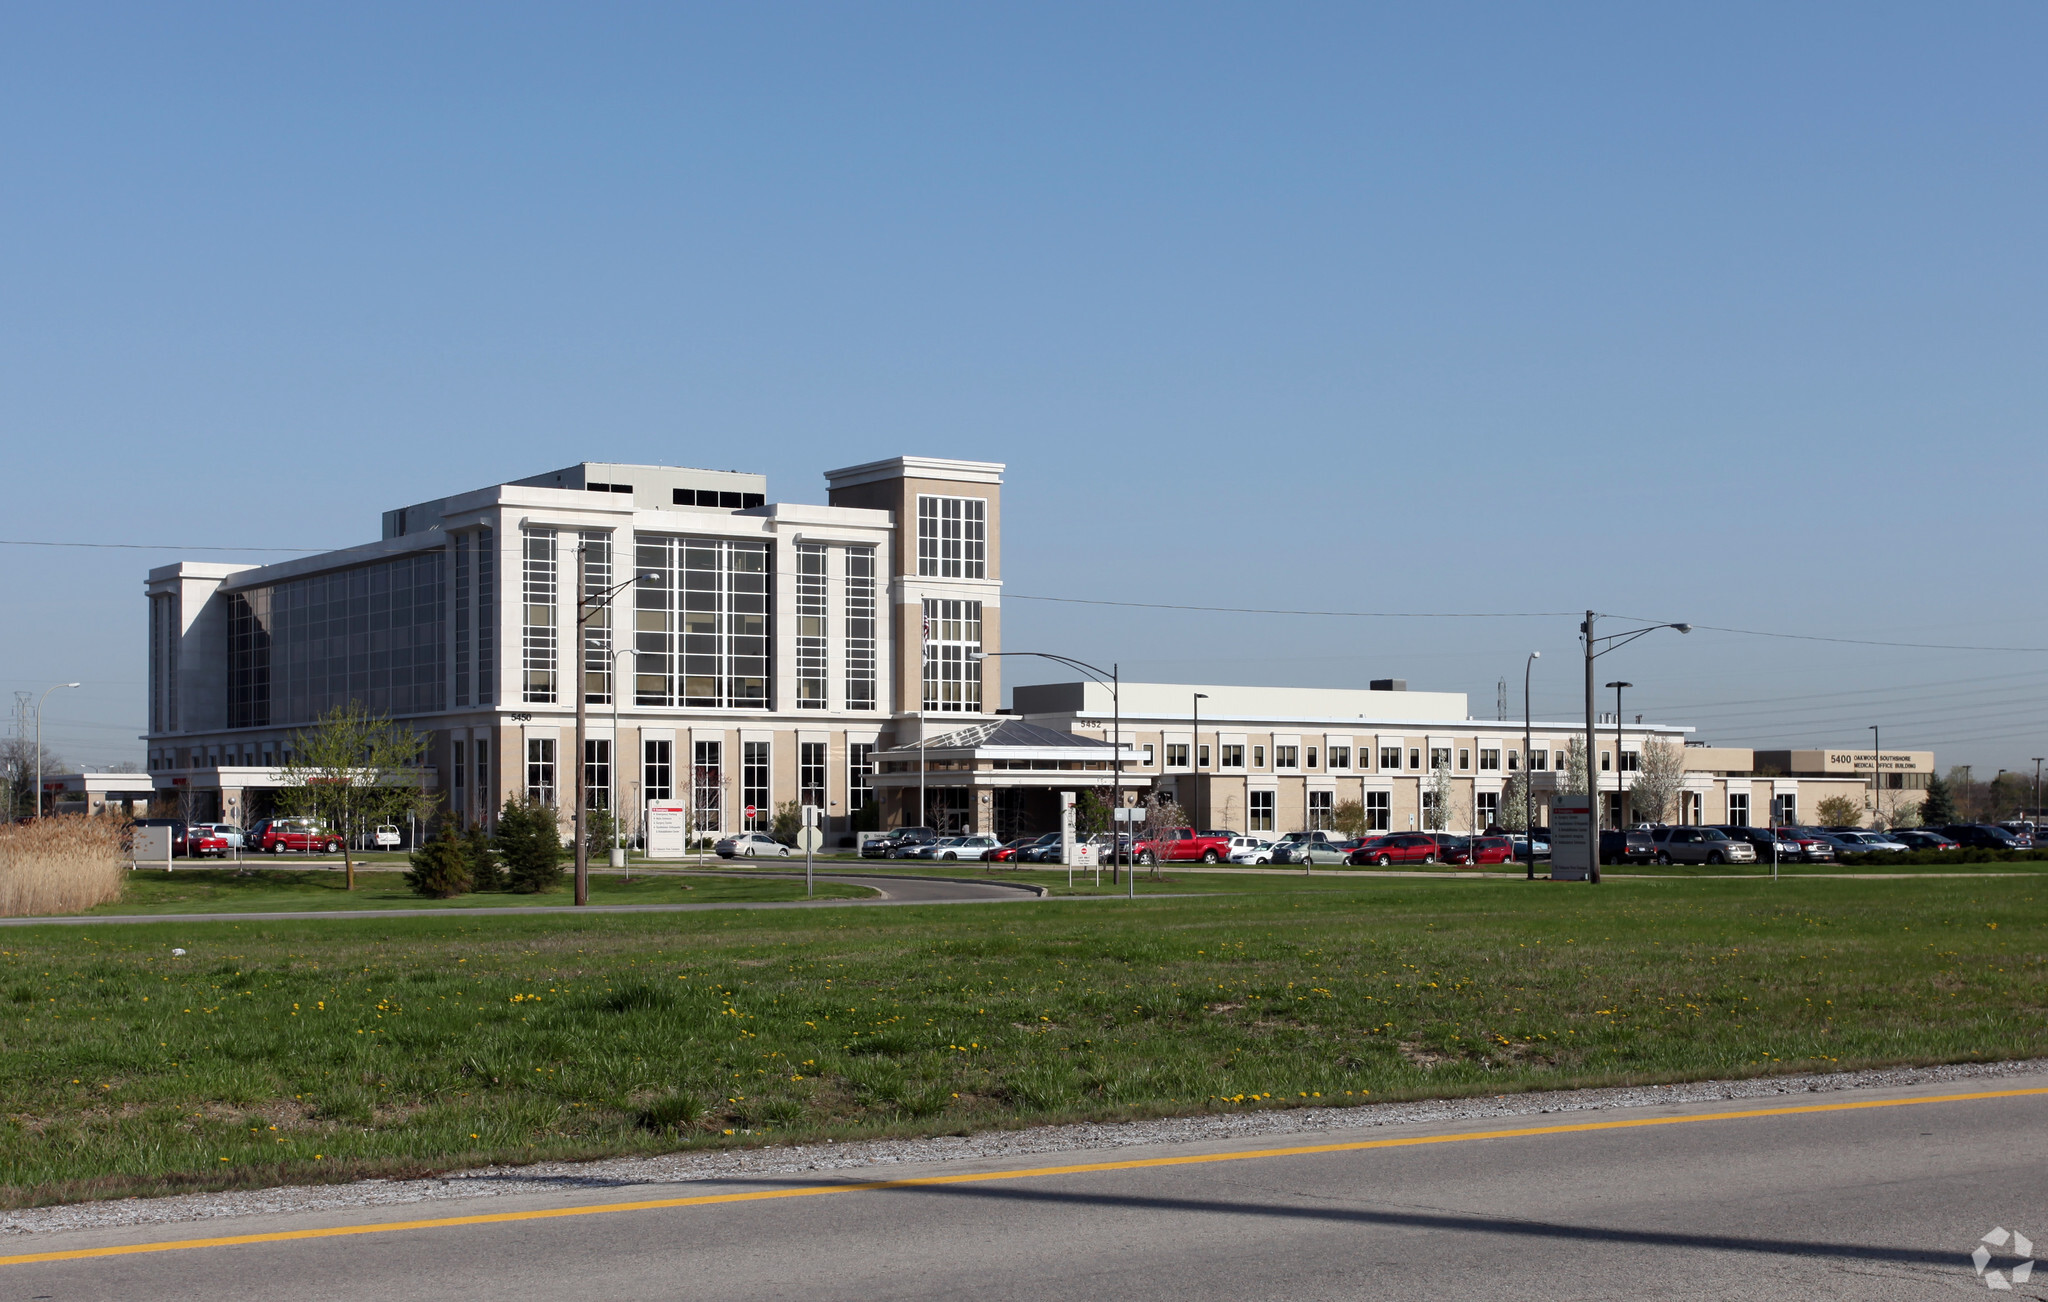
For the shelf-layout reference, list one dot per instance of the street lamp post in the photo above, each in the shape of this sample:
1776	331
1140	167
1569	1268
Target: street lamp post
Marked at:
1116	714
1195	763
1620	802
39	744
1589	641
586	610
1528	785
2037	789
1876	780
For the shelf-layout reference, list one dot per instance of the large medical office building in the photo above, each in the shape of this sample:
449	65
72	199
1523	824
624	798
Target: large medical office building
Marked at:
759	652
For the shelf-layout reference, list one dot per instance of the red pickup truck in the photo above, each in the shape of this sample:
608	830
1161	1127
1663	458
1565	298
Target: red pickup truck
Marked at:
1183	845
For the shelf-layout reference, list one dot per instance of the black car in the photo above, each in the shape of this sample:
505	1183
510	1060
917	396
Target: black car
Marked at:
885	847
1046	849
1762	839
1632	846
1981	836
180	830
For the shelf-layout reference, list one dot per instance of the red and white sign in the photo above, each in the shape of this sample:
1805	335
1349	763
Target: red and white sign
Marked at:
750	811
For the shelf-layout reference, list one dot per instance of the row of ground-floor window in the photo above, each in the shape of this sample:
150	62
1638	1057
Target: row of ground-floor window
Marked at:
1222	803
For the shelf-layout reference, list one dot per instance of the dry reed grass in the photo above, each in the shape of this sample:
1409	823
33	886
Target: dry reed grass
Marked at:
60	865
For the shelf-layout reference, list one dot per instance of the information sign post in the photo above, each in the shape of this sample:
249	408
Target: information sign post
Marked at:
1573	846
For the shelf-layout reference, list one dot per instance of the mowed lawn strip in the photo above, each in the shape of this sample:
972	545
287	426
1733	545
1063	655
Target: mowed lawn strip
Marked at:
279	890
275	1052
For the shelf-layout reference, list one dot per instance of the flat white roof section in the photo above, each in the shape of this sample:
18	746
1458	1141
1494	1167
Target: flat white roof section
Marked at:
1176	701
965	472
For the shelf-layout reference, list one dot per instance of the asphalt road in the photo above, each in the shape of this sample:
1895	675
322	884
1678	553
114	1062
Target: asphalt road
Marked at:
889	890
1816	1196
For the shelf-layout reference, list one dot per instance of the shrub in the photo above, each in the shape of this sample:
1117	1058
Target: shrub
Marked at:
789	820
530	844
440	868
484	872
66	864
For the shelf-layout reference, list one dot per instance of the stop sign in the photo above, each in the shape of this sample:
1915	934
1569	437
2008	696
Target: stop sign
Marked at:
750	811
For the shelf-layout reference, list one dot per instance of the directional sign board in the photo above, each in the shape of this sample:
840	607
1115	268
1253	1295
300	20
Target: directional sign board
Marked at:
1572	845
668	829
810	839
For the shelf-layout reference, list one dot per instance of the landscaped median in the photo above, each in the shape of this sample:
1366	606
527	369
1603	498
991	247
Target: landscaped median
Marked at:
276	1052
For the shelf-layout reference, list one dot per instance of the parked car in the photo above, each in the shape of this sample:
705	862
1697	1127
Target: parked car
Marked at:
1250	849
1183	845
1489	849
1400	847
1700	845
885	847
1922	838
1856	840
180	831
277	835
1982	836
2025	830
1007	851
751	845
1046	849
1763	841
1814	846
1625	847
975	847
1522	844
228	832
1312	850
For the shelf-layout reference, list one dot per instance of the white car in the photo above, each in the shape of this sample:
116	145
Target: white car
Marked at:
1873	842
228	832
751	845
1250	849
964	847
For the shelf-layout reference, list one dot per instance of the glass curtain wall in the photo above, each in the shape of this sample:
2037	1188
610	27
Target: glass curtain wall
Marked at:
701	628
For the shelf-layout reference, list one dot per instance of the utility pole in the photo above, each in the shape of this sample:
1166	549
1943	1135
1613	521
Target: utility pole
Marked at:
39	744
1195	764
1620	792
1592	774
1528	784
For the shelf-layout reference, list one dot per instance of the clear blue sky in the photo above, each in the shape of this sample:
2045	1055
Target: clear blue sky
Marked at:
1730	314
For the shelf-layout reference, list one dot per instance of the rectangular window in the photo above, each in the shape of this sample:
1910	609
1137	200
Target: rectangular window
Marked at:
1148	754
1311	757
810	774
1258	757
1464	758
164	640
540	770
1439	757
597	630
701	627
1606	761
1539	760
810	627
860	775
1489	758
459	803
1176	755
597	773
1738	809
462	598
952	641
1202	756
1390	757
1379	810
707	786
1320	808
1785	809
1340	757
1287	757
1260	805
1233	757
1487	809
754	791
1514	760
482	783
657	770
1414	758
860	628
486	619
952	537
1631	761
538	587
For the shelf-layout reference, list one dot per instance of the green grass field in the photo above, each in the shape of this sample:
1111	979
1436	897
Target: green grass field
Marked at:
274	1052
275	890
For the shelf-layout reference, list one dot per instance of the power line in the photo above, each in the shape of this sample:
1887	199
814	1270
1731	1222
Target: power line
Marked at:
1341	614
157	547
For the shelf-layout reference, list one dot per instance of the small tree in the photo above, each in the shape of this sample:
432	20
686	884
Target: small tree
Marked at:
789	820
352	771
440	868
484	872
1091	814
1657	783
1906	815
1939	807
1436	804
1571	777
1514	802
530	843
1349	820
1161	813
1839	811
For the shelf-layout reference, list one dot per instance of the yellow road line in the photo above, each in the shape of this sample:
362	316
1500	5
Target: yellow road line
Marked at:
924	1182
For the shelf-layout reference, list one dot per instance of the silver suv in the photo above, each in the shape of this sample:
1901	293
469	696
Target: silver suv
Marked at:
1699	845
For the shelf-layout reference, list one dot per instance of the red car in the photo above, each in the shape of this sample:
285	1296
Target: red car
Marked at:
1487	849
1183	845
1400	847
1007	852
277	835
